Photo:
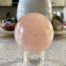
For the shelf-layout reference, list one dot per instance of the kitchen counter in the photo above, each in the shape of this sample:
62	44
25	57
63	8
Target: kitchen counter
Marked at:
11	55
60	32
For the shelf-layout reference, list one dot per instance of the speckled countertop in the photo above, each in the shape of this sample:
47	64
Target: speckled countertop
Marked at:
11	55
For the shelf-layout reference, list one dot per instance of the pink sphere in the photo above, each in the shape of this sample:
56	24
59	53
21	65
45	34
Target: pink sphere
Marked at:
34	33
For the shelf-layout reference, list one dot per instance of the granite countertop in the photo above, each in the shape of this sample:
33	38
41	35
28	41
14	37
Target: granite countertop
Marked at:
11	55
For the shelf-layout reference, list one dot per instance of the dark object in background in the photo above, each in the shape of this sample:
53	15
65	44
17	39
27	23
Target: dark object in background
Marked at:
62	16
57	23
15	2
8	15
12	20
58	18
8	26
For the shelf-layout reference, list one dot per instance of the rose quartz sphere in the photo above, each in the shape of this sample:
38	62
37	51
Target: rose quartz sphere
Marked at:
34	33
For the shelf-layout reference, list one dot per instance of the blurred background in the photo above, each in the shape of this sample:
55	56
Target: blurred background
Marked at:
10	54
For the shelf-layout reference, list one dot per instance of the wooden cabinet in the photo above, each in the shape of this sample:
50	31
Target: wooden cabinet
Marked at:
5	2
0	2
58	2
